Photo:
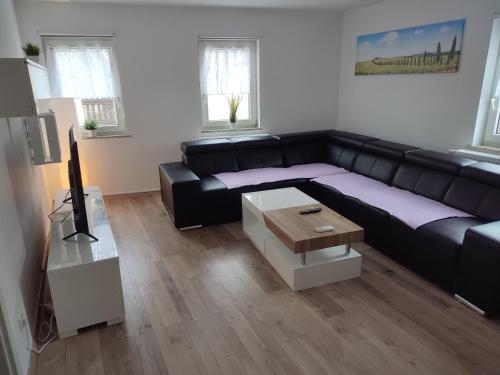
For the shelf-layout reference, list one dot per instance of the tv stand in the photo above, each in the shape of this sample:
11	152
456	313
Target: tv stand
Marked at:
84	275
77	233
69	199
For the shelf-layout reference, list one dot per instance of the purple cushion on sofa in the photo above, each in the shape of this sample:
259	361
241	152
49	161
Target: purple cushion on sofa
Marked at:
258	176
412	209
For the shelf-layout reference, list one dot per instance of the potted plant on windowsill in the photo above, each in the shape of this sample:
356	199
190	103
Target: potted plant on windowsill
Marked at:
91	127
234	102
32	52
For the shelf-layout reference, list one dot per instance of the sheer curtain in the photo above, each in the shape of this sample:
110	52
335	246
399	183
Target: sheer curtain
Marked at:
226	69
85	68
496	99
81	69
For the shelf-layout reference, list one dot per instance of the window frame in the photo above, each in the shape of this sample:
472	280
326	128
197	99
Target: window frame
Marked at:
77	41
253	123
487	131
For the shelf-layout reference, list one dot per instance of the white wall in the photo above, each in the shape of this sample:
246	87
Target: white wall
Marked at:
435	111
156	48
23	211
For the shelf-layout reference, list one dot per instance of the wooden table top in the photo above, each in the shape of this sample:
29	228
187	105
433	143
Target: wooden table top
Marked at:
298	231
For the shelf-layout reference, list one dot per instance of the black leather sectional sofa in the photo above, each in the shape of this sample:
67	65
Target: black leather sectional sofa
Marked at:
460	254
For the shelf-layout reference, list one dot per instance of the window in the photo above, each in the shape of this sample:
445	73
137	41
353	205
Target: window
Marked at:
488	122
229	70
85	68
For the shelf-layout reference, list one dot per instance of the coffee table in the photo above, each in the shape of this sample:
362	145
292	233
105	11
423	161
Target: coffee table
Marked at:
288	240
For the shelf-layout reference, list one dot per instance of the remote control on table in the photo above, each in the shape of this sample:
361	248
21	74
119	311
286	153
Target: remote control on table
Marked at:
326	228
308	211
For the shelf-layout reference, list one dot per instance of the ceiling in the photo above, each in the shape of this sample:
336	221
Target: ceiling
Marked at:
336	5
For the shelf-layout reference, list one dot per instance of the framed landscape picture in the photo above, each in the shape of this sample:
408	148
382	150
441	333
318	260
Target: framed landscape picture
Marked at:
434	48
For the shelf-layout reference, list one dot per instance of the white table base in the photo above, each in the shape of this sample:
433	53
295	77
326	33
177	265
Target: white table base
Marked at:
323	266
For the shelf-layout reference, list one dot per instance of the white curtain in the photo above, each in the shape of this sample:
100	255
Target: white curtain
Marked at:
81	71
497	93
226	69
497	119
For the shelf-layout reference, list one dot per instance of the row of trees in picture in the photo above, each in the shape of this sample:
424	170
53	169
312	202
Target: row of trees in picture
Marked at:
438	58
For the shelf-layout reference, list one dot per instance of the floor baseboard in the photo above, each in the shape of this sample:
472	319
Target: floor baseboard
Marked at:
129	194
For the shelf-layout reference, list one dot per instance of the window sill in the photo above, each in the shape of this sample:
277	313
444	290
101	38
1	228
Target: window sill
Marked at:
232	132
486	149
479	153
87	138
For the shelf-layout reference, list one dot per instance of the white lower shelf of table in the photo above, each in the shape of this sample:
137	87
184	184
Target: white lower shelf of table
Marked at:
322	266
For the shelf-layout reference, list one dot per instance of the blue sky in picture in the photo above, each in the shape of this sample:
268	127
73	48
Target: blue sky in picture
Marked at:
410	41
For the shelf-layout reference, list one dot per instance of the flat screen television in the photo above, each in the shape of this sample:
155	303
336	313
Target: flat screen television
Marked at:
76	190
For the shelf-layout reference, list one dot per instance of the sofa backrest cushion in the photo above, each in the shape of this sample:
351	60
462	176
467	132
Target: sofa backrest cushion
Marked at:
487	173
489	208
208	145
465	194
376	167
208	156
407	176
350	139
303	137
303	148
384	170
259	158
210	163
341	156
437	160
422	181
254	152
303	154
433	185
389	149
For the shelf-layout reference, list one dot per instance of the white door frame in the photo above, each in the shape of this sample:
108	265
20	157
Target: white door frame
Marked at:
7	362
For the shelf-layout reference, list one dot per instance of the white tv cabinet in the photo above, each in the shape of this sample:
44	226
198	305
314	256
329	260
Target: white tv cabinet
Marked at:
84	275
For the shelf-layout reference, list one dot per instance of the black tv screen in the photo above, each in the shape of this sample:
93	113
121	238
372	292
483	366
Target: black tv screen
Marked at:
76	190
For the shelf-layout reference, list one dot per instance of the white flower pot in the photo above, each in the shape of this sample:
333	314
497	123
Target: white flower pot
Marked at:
35	59
91	133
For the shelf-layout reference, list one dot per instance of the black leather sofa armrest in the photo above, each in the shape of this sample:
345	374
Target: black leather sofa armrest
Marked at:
181	194
478	279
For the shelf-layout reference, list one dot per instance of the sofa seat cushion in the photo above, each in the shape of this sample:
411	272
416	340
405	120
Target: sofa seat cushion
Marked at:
251	177
412	209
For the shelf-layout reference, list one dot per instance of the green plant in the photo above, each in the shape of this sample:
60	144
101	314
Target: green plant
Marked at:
90	125
234	102
31	49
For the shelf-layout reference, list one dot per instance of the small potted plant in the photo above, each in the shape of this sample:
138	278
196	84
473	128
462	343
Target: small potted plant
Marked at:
32	52
91	127
234	102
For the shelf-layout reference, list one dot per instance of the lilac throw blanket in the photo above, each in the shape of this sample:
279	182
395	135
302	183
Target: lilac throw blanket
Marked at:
413	210
258	176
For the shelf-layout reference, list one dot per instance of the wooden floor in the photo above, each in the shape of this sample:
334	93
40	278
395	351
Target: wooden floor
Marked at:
206	302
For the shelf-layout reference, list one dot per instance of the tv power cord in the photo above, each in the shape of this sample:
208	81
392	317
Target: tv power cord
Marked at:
59	207
44	339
